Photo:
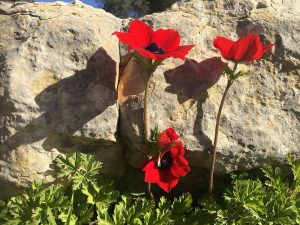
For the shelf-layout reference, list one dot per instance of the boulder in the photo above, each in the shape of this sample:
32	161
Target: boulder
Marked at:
60	89
261	117
58	78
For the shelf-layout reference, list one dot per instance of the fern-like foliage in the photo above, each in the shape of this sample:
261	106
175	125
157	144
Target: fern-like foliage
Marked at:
272	201
79	169
3	211
81	195
88	191
75	202
40	204
140	211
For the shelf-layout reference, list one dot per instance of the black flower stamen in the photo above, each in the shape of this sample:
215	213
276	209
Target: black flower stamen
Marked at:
152	47
165	161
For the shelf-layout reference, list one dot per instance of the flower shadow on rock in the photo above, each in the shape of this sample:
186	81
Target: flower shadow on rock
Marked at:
191	81
76	100
68	106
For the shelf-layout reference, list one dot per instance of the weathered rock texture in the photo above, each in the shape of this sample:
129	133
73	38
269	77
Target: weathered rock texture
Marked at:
58	75
261	118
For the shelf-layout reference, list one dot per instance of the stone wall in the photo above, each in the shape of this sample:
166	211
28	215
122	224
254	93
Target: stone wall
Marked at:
59	72
60	89
261	118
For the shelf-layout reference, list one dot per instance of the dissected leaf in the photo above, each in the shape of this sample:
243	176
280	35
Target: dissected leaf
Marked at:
79	169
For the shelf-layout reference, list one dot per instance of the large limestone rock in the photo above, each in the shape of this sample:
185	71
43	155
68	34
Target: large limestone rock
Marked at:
59	68
58	76
261	118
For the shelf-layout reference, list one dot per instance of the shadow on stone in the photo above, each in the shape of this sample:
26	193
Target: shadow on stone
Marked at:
191	81
70	104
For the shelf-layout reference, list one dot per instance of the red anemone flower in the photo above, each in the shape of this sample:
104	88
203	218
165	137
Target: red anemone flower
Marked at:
166	137
166	169
247	48
156	45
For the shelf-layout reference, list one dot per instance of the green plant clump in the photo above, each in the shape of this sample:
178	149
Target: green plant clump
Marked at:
80	195
273	201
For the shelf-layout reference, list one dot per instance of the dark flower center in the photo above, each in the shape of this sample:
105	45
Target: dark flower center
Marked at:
170	137
152	47
166	161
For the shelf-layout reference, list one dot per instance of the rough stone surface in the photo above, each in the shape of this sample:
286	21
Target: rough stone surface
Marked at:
261	118
58	76
59	73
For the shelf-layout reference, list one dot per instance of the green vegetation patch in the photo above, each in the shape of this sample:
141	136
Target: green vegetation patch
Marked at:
81	195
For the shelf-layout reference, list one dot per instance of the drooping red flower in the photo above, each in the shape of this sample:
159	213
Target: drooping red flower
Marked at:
166	137
166	169
248	48
156	45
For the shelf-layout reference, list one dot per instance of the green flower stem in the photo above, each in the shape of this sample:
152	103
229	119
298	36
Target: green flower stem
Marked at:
234	67
150	191
214	149
149	67
146	97
146	130
70	210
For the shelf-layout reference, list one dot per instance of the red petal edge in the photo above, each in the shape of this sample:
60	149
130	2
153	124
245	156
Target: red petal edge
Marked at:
224	45
167	186
168	40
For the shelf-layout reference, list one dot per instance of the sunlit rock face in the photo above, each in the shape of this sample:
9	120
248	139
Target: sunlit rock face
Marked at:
60	89
261	117
58	75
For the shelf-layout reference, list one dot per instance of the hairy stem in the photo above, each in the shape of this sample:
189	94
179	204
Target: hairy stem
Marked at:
150	191
214	149
146	130
146	96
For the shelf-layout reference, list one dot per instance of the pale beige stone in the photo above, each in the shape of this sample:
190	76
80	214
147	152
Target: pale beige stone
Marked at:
260	122
59	66
59	72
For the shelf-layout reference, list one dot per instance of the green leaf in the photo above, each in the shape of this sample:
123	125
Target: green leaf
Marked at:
182	204
104	218
39	204
295	164
3	210
51	218
241	74
79	169
68	218
148	65
229	73
154	134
